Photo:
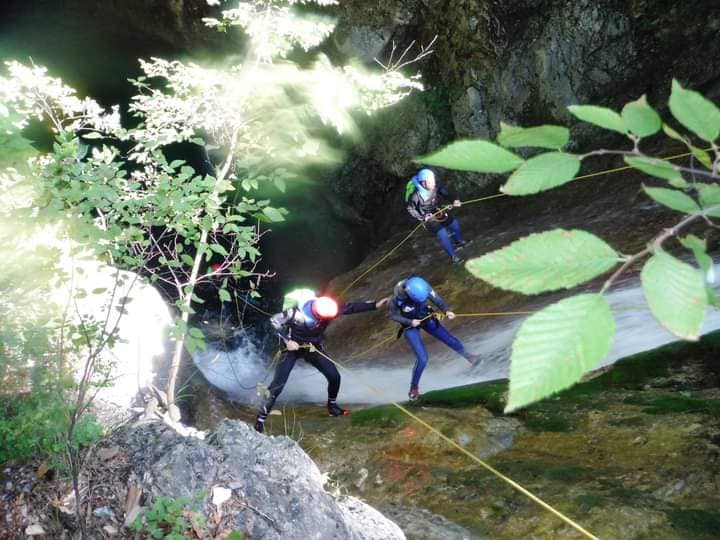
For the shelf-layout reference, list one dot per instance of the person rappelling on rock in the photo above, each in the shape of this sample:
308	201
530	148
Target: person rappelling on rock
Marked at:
424	194
302	329
409	307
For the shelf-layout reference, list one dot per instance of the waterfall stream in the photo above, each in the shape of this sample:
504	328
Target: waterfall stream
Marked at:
238	371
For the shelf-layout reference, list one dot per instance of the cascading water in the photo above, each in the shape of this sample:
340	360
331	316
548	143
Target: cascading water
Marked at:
239	370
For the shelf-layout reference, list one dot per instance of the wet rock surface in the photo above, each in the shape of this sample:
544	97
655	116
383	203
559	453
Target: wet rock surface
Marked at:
631	453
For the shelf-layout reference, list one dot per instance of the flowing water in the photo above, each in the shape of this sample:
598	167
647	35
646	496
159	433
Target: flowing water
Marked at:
238	371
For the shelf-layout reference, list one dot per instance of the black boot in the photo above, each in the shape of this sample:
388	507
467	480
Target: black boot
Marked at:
260	423
335	410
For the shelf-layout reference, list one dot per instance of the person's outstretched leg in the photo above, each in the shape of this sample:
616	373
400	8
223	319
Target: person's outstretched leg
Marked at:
438	331
282	372
413	337
444	237
330	372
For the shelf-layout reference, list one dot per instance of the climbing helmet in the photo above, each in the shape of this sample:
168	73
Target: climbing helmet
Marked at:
325	308
417	289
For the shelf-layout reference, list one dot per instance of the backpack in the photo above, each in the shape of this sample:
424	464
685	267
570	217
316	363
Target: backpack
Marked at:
409	189
297	298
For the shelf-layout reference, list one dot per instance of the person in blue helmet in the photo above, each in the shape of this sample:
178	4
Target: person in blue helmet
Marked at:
409	307
298	328
423	201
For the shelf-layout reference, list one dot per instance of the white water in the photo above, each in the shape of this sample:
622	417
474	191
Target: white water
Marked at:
237	372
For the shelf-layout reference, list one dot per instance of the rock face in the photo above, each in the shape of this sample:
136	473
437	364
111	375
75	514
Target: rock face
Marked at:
277	489
521	63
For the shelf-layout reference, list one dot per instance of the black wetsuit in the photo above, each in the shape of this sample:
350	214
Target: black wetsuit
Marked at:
294	324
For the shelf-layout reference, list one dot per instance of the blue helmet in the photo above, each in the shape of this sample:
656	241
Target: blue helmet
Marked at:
417	289
425	174
307	309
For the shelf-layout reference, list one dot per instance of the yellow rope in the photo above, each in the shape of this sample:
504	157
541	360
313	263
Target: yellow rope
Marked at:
457	446
376	346
496	314
393	250
626	167
253	306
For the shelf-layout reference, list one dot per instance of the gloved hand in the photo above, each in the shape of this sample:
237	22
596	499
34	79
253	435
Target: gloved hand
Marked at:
415	323
383	301
457	203
292	345
450	315
428	217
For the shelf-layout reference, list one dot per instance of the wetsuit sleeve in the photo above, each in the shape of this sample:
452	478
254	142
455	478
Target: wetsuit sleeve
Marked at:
357	307
436	299
413	208
280	322
394	314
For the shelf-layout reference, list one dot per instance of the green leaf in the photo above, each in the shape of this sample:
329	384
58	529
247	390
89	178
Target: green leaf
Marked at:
702	156
674	199
658	168
675	292
557	345
219	249
670	132
196	333
545	261
473	155
224	295
92	135
273	214
709	195
600	116
545	136
696	113
640	118
698	247
542	172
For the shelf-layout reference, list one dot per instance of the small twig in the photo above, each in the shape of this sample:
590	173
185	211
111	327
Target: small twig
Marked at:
657	242
395	65
262	514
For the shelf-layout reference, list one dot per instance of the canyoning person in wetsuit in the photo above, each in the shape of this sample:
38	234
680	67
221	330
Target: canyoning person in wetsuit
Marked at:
299	327
423	197
409	307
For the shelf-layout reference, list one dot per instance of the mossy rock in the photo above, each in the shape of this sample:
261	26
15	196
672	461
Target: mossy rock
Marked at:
489	394
532	470
676	404
696	524
382	416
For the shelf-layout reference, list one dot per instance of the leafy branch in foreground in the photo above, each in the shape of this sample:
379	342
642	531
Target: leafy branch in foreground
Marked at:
112	191
557	345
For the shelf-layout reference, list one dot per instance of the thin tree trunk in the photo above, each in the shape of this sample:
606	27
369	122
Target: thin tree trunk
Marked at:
190	287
